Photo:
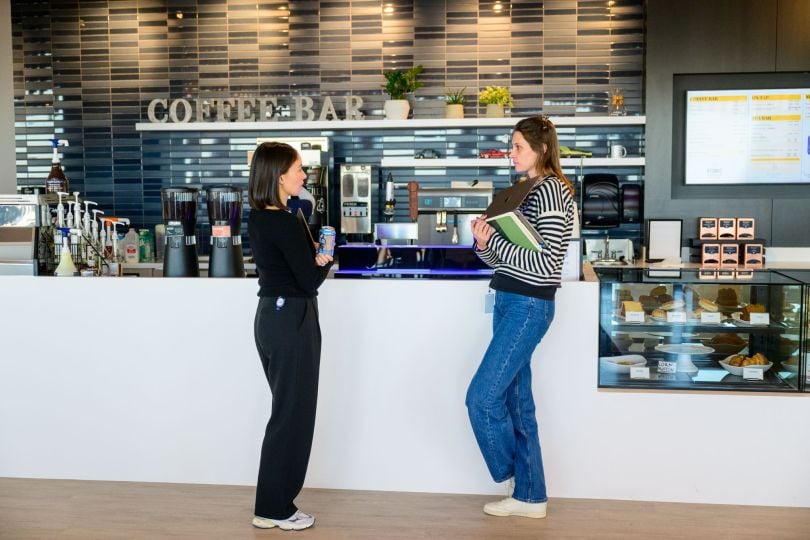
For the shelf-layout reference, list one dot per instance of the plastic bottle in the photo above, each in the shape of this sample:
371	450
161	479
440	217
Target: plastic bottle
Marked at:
56	180
129	247
146	246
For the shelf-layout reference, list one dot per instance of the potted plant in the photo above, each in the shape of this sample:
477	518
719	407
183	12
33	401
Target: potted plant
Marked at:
455	104
495	98
398	83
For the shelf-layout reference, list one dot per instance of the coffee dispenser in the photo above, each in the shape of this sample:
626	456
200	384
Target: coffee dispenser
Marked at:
225	217
180	219
355	198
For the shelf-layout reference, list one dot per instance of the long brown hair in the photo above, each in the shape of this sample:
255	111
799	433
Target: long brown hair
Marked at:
270	161
539	131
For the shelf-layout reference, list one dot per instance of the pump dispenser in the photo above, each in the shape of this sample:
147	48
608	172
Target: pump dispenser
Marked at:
60	210
87	221
94	232
56	181
66	267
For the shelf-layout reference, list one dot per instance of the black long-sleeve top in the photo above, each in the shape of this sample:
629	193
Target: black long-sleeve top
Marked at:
284	261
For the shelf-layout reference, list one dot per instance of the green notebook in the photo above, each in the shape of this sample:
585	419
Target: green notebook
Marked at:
504	216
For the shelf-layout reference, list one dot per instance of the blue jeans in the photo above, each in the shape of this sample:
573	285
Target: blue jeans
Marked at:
499	400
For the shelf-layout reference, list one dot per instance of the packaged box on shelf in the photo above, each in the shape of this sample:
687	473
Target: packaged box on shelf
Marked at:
745	274
710	255
708	228
745	228
707	274
727	228
726	274
753	255
730	255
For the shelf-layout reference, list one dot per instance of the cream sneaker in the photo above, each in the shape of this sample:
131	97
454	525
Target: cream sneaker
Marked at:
514	507
510	486
295	522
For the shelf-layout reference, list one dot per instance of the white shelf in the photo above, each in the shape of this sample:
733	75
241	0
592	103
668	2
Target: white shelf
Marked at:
393	162
419	123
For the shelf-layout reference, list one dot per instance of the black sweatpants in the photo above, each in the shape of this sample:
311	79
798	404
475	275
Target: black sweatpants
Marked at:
288	339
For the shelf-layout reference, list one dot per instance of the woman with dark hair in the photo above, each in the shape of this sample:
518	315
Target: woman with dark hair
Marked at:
287	332
499	400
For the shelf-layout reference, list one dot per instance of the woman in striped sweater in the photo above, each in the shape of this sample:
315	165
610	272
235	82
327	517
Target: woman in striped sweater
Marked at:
499	400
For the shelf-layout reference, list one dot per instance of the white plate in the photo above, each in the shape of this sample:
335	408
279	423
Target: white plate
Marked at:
622	364
793	368
734	370
737	318
684	348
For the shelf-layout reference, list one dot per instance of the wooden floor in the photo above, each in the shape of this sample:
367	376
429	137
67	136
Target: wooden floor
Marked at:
67	509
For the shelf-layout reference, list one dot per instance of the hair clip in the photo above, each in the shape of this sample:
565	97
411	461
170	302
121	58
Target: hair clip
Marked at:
545	120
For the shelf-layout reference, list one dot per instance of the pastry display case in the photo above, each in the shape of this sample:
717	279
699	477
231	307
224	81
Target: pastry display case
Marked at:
742	330
801	364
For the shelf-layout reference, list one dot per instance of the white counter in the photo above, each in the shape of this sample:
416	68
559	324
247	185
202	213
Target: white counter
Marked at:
171	390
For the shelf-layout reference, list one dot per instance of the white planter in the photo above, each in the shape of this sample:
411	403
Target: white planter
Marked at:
494	110
396	109
454	110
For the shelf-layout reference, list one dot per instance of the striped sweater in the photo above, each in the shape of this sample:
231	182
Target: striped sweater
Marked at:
549	207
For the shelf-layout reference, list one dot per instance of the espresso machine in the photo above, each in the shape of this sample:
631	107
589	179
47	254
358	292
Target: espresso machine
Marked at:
444	215
20	220
180	220
225	218
355	198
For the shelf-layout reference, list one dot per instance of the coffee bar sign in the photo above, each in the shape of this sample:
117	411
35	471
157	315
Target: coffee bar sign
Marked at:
247	109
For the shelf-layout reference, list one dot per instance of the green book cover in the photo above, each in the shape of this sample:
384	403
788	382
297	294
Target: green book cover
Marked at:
516	228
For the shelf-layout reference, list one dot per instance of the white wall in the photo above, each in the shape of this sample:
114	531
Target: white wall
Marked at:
8	168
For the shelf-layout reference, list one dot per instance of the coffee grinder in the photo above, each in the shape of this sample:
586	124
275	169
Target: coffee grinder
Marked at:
225	217
180	219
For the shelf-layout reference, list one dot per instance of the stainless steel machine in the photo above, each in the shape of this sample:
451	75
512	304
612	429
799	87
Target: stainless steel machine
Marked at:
445	214
355	198
20	219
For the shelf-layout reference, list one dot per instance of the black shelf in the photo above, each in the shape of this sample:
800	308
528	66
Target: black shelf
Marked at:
697	242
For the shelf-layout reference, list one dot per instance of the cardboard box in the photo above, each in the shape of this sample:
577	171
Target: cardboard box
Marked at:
729	255
710	256
707	228
745	228
753	255
727	228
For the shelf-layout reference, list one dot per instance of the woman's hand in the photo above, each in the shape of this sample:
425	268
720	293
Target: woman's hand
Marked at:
482	231
322	259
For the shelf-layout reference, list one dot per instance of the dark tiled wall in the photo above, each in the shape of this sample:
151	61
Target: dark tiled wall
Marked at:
86	71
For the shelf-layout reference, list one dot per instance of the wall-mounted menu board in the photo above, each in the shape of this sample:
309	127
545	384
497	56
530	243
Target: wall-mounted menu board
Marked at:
747	136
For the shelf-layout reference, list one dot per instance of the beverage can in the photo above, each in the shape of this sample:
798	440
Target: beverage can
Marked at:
326	241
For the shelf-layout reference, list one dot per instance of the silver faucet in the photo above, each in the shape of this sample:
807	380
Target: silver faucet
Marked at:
606	251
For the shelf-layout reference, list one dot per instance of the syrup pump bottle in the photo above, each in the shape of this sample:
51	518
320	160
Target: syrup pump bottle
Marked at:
56	181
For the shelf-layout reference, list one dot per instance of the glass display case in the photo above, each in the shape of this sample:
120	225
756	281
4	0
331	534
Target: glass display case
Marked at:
742	330
803	368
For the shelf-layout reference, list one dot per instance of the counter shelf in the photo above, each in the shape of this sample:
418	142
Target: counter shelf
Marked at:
782	340
405	260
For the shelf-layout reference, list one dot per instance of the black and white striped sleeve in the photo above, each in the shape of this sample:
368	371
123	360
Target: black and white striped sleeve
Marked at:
549	209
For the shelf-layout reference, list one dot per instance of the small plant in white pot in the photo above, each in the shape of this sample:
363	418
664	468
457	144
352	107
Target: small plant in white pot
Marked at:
495	98
398	84
455	104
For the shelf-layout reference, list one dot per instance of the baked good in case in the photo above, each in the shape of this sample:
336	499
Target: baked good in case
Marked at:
658	291
673	304
708	305
659	314
726	297
751	308
648	302
630	305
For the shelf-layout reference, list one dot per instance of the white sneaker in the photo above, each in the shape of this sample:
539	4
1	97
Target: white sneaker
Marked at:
299	520
510	486
514	507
